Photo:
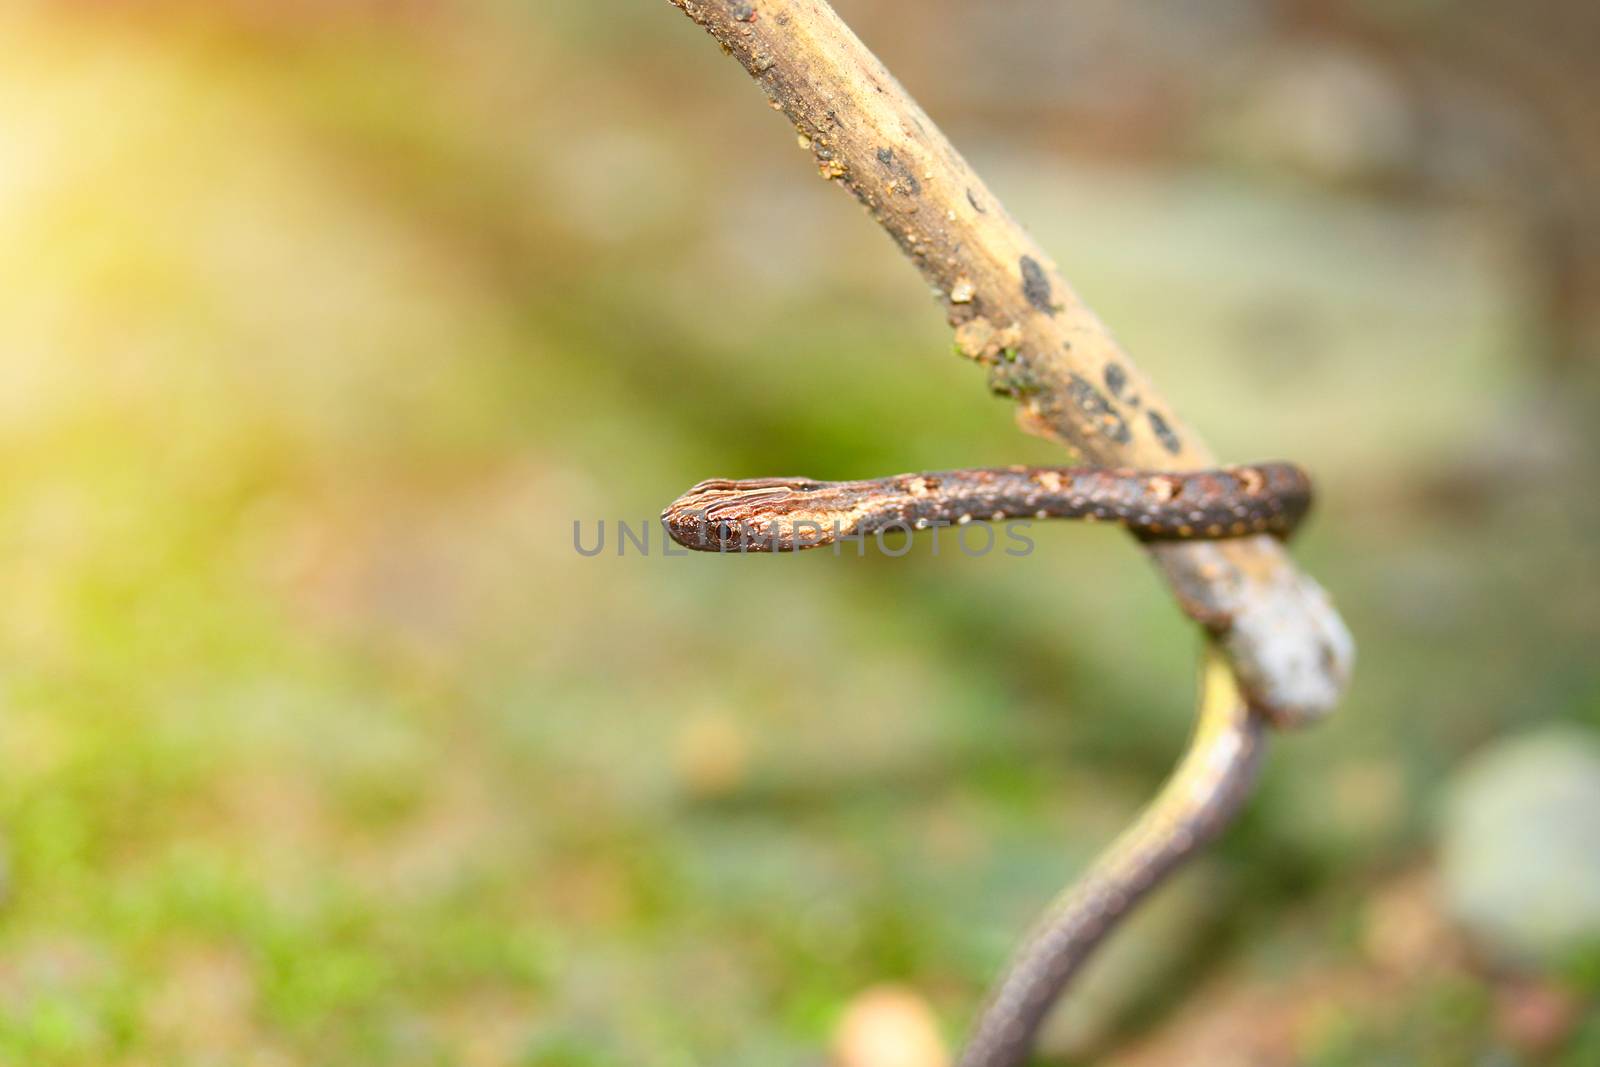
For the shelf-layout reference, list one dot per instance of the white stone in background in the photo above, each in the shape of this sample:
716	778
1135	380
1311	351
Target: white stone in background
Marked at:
1520	849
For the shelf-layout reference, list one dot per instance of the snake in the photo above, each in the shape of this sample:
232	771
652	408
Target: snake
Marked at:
1212	779
791	514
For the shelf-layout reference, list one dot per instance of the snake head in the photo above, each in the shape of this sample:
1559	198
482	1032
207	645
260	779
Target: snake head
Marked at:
749	515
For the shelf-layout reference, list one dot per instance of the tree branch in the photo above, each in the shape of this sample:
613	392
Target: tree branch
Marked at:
1015	315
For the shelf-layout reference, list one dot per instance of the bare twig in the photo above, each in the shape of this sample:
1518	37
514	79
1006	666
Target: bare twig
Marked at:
1016	316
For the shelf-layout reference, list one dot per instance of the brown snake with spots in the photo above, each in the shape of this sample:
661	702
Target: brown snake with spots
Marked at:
789	514
1202	795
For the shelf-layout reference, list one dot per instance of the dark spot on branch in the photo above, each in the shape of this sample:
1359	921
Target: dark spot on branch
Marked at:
1116	379
1164	434
1035	286
979	208
743	10
1093	403
902	177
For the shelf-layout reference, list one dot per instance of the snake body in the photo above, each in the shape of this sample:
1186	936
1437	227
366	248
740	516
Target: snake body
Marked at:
789	514
1198	800
1201	796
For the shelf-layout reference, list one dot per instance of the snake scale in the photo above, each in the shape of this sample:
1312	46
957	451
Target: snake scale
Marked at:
1201	796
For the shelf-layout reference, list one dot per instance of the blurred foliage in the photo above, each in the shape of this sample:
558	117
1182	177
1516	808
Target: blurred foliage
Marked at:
321	325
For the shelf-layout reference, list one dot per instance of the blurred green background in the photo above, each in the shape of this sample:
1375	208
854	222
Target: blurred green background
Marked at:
322	323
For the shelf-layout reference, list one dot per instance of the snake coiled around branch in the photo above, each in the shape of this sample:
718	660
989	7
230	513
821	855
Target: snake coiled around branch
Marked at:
1201	796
